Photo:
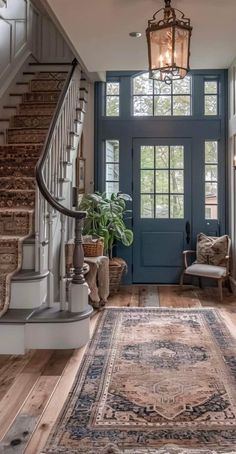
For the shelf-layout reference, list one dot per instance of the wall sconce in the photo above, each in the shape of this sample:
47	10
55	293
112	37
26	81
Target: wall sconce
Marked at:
3	3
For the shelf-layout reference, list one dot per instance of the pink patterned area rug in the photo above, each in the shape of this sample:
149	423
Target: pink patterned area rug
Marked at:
153	381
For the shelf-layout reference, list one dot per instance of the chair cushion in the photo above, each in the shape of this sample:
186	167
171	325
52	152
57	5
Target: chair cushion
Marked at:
212	250
199	269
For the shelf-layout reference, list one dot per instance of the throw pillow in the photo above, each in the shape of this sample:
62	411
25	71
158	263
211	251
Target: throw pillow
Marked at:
212	250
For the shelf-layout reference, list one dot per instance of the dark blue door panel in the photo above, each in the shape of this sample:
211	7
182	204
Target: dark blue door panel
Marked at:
159	242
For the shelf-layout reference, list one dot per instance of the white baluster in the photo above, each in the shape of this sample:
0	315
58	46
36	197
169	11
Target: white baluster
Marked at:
42	233
50	257
63	265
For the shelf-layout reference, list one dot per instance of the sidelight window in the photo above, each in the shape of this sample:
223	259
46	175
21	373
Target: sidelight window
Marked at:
211	180
112	166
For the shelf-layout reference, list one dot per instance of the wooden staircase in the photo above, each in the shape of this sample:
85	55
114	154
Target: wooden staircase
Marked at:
27	320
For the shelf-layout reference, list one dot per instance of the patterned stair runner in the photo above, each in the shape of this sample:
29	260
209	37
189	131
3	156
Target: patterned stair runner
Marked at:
18	158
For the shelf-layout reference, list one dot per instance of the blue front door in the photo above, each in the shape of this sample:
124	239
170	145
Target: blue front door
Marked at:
162	217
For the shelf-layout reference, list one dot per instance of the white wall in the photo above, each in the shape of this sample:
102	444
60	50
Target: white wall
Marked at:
25	29
14	42
231	172
46	41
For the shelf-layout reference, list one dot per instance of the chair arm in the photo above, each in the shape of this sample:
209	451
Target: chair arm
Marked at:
185	254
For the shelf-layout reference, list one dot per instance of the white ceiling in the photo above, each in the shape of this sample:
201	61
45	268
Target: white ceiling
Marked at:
99	30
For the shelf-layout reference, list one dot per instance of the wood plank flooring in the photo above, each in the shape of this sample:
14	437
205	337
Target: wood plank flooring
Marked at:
34	387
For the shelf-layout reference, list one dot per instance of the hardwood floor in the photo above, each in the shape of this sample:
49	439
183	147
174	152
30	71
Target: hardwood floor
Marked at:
34	387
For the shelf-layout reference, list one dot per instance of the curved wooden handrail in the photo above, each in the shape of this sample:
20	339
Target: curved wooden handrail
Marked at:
45	152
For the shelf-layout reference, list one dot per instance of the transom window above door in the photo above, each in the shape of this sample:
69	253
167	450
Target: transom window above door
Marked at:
155	98
162	181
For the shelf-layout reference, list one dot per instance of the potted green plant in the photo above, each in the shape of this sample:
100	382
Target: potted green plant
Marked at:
106	219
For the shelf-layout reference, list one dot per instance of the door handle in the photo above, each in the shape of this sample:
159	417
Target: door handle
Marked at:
187	230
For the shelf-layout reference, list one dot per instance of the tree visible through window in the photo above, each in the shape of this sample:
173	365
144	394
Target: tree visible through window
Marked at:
112	99
211	180
112	166
211	94
162	182
155	98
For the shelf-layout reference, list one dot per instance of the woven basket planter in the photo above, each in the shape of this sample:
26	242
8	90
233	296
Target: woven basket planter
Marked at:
93	248
117	267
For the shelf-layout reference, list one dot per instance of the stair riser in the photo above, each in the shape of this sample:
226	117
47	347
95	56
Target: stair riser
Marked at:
17	170
24	136
2	139
28	294
12	223
17	199
23	184
27	152
28	261
31	121
12	160
16	339
57	335
9	112
14	100
51	97
22	88
46	85
12	339
51	75
4	124
28	77
26	109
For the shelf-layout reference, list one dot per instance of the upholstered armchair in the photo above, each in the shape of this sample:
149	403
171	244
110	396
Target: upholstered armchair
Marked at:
212	260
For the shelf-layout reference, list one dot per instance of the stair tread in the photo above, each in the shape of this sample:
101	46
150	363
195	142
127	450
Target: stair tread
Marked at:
24	144
16	190
17	316
15	210
14	145
26	275
43	315
10	237
27	129
28	115
49	64
29	104
18	178
53	314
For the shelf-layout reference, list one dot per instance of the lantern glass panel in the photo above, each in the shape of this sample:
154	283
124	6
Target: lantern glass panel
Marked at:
181	52
160	48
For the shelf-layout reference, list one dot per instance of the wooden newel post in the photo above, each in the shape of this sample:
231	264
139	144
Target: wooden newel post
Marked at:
78	255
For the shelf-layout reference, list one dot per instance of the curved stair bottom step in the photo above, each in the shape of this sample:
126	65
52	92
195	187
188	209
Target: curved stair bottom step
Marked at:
48	328
28	289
